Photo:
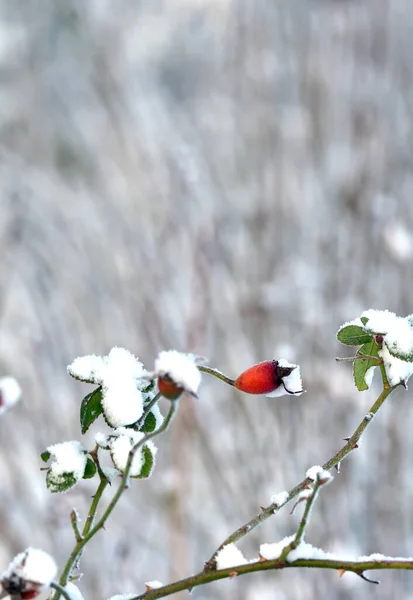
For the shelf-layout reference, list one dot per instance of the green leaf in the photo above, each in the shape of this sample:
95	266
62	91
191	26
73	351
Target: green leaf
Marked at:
45	456
149	387
364	320
362	365
90	409
353	335
62	483
149	423
90	469
148	464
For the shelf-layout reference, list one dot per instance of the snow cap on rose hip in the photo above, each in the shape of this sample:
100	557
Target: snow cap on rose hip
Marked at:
177	373
271	377
28	574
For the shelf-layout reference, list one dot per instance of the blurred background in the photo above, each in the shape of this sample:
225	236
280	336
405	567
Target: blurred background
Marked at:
227	177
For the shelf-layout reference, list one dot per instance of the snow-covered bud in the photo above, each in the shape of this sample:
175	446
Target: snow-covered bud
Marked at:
28	574
272	378
177	373
10	392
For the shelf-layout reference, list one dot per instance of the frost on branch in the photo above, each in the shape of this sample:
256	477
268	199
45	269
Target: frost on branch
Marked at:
29	573
280	498
121	377
10	392
381	335
317	473
274	551
68	465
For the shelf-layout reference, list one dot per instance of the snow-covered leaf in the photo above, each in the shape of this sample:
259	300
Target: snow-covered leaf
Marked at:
90	409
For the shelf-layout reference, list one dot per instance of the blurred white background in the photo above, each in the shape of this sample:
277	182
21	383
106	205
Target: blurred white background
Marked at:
228	177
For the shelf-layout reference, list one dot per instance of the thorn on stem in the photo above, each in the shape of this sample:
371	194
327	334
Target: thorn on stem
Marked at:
338	466
233	574
366	578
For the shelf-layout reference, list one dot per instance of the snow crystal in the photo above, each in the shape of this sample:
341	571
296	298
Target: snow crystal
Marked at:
306	551
292	382
67	457
73	591
121	443
35	567
397	370
152	585
10	392
230	556
317	472
280	498
274	551
181	368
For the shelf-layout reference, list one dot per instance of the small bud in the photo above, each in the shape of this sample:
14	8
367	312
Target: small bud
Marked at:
267	377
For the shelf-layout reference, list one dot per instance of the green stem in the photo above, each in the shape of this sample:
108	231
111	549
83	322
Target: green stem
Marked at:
306	516
203	577
335	460
89	531
56	586
216	374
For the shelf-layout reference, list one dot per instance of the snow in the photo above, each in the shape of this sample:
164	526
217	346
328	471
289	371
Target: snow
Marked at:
121	376
274	550
305	495
10	392
397	370
122	597
74	592
280	498
102	440
122	400
292	382
230	556
181	368
317	473
368	376
110	473
121	442
35	567
90	368
152	585
397	331
67	457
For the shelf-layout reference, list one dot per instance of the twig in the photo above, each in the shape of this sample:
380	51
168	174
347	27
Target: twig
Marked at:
89	531
217	374
358	567
61	590
332	462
